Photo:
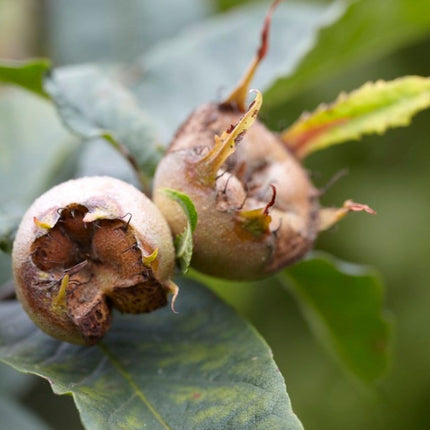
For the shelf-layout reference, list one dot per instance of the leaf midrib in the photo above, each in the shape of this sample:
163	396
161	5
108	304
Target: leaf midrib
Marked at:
120	369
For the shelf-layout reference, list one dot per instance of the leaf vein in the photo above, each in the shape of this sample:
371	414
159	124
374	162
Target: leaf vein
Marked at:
132	384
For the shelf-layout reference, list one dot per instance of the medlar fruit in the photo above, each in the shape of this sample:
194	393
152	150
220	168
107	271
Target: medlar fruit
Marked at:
85	247
257	208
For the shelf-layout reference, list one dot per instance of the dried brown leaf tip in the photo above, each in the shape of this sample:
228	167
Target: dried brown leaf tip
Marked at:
257	208
88	246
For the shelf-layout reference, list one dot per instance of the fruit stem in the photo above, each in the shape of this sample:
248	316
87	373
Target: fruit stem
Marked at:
144	180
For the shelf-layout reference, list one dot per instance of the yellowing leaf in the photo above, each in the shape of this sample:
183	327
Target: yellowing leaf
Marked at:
373	108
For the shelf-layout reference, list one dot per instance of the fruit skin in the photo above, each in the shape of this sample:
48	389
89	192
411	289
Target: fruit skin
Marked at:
224	245
84	315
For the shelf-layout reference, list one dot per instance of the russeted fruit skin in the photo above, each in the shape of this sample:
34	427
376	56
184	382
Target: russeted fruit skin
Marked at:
238	236
87	246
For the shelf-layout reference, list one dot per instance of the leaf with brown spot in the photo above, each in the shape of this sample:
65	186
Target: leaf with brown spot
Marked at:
373	108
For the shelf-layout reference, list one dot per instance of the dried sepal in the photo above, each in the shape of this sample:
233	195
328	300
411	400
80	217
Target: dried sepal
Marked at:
257	221
225	145
331	216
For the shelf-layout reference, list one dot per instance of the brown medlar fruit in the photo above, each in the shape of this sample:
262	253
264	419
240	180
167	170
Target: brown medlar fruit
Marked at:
85	247
257	209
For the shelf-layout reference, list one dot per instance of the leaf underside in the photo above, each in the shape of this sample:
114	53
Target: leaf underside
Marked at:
207	60
32	157
8	226
92	105
202	369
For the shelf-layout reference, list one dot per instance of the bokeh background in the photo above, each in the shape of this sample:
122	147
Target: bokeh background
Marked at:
390	173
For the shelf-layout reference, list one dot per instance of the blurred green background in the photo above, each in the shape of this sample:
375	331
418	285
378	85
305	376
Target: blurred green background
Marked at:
389	173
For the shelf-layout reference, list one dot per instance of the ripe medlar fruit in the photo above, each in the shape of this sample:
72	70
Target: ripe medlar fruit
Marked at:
85	247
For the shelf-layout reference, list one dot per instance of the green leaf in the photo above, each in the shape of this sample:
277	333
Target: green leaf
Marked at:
202	369
93	105
116	32
5	273
186	204
14	385
15	416
184	241
32	156
368	30
9	223
373	108
180	74
27	74
343	304
112	165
